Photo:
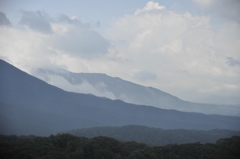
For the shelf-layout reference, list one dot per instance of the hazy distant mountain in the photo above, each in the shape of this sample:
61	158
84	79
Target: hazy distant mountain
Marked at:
116	88
155	136
31	106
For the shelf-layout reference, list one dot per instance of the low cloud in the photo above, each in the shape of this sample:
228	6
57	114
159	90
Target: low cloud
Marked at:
98	89
232	62
4	20
38	21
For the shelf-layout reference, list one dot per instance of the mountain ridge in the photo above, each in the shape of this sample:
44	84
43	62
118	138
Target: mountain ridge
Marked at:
33	99
117	88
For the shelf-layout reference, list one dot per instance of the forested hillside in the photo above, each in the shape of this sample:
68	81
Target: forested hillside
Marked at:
67	146
155	136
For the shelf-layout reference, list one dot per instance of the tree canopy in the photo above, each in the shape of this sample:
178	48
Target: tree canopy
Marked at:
68	146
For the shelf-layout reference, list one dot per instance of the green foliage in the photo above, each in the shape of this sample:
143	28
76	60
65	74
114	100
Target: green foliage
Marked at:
66	146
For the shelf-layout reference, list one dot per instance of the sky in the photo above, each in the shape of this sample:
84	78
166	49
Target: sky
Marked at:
189	48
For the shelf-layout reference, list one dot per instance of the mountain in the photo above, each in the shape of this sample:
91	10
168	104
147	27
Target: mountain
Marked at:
31	106
116	88
155	136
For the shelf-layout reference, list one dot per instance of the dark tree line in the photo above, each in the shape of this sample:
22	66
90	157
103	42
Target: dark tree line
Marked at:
66	146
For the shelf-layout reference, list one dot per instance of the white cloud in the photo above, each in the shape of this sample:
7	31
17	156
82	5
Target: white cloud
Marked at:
149	6
185	51
26	49
31	48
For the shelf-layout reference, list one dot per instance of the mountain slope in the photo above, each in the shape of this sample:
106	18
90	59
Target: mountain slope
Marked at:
21	121
116	88
35	100
155	136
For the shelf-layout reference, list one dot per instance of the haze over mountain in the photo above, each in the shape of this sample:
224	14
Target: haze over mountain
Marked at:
31	106
155	136
116	88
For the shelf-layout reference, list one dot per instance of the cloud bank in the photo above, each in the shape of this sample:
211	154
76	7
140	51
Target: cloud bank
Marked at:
185	54
184	50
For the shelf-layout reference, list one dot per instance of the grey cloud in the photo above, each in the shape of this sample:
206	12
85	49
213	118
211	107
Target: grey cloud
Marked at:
37	21
4	20
65	19
224	9
228	9
82	42
79	40
75	21
145	75
232	62
98	24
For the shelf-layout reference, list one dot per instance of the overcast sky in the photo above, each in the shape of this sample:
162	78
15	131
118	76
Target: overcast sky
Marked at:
189	48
